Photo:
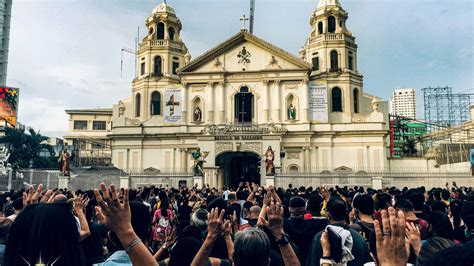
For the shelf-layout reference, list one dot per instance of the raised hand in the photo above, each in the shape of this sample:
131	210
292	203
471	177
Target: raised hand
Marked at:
80	203
111	213
227	229
215	223
413	235
392	247
275	215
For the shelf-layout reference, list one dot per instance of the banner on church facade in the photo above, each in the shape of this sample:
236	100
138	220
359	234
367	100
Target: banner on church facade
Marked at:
318	103
172	107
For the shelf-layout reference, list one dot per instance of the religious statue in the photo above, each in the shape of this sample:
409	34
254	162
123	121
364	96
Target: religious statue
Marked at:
199	160
291	112
269	158
375	104
121	108
64	162
197	114
187	58
302	53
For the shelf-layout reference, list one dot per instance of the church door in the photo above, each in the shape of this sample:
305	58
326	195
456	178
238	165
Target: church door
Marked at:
243	102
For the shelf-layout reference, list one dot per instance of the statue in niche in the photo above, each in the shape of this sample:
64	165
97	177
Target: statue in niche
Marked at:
197	116
269	158
291	112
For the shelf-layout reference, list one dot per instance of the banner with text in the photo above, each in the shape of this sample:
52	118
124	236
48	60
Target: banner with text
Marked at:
318	103
173	104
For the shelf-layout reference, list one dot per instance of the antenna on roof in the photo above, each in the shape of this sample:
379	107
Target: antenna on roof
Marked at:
252	15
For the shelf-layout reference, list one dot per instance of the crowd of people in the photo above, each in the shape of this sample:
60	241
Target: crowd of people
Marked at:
243	226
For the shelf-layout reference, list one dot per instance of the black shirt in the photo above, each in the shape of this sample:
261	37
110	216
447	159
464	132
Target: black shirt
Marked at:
302	231
93	244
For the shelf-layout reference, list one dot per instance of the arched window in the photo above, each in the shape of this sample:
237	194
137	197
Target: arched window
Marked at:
158	66
155	103
293	169
336	97
356	100
331	24
171	33
320	27
334	61
160	31
137	104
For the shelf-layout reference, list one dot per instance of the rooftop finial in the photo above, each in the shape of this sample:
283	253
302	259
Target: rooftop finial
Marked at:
244	19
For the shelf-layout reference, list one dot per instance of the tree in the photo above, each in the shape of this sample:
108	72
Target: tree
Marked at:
27	146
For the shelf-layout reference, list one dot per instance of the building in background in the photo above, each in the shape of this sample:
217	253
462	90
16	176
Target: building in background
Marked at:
5	17
403	103
87	134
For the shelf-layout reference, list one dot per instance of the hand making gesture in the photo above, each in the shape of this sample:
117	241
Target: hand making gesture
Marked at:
392	247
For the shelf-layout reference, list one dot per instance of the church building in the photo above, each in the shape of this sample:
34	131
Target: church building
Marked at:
252	110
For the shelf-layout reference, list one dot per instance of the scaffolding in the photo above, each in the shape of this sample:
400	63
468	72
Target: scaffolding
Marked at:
445	109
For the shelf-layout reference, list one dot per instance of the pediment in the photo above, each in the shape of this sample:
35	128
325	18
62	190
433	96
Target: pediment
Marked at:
244	52
151	170
343	169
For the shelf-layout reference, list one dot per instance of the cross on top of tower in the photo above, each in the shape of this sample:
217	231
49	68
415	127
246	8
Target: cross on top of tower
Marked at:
244	19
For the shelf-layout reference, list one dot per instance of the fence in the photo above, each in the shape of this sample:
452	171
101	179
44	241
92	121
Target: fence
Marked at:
388	180
174	179
23	178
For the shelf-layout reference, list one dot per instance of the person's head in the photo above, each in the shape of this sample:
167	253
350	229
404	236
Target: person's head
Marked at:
254	212
441	225
364	204
251	248
467	214
199	219
417	199
297	207
382	201
314	205
445	194
218	203
404	205
229	212
336	210
17	205
191	231
60	198
431	247
455	208
46	231
141	221
184	251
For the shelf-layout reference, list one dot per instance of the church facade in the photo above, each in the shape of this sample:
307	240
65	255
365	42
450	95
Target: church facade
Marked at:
252	109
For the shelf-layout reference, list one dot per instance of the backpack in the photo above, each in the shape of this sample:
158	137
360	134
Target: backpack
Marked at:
163	224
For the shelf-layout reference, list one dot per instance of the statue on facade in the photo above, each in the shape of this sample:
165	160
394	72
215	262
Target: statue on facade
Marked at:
197	117
187	58
121	109
64	162
269	159
291	112
375	105
199	160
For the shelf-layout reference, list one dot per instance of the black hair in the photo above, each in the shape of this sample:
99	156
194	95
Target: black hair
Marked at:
218	203
297	202
18	204
336	207
314	204
48	231
453	256
417	199
141	221
441	225
455	207
364	203
383	200
445	194
163	203
191	231
184	251
230	211
431	247
404	205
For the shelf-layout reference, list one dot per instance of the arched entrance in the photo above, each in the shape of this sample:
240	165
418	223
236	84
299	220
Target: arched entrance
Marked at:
239	167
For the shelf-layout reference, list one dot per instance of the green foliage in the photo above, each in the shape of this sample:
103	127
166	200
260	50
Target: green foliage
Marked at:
27	145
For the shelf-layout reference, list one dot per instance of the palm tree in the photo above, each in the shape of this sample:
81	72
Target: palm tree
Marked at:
26	148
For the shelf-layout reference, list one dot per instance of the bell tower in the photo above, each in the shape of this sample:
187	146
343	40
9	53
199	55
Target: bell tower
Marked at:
332	52
160	54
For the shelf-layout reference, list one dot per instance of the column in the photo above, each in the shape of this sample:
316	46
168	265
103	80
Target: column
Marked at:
276	102
184	159
266	98
221	89
211	103
166	30
305	102
184	118
306	159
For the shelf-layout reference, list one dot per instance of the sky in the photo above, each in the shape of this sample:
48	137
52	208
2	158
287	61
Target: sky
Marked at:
66	54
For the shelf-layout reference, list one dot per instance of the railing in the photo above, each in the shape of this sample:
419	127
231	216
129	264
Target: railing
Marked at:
160	43
333	37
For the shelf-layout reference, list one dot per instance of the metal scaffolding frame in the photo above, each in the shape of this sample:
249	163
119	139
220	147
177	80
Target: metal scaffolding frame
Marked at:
445	108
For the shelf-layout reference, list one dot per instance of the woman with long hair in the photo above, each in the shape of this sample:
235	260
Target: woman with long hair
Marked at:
163	220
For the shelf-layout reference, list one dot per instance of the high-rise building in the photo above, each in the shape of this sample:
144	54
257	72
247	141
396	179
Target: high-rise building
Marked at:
5	17
403	103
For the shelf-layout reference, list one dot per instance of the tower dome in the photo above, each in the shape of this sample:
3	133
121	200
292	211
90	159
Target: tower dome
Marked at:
164	8
323	3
